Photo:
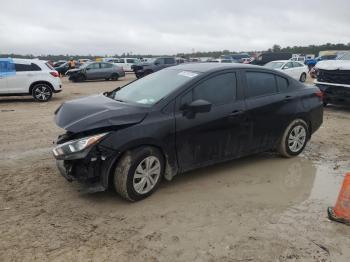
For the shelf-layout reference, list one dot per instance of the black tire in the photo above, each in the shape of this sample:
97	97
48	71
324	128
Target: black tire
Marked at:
125	171
114	77
303	77
78	78
284	147
42	92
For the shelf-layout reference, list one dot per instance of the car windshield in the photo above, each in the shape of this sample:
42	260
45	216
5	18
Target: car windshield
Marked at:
274	65
154	87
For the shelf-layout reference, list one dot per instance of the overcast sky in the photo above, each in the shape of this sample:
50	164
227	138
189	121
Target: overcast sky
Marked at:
168	26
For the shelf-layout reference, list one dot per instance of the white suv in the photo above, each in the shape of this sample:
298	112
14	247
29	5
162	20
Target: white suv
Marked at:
28	77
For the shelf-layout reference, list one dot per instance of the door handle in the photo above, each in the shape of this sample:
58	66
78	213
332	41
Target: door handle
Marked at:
236	113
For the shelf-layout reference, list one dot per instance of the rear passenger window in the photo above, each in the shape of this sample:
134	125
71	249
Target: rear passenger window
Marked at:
260	84
219	89
282	84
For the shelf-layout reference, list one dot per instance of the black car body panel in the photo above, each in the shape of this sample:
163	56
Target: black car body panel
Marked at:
157	64
97	111
237	128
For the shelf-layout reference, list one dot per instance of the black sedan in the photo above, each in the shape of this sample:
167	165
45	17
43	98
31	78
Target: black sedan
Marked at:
182	118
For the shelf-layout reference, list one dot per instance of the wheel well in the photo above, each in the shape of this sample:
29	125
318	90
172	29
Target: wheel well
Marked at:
116	160
40	82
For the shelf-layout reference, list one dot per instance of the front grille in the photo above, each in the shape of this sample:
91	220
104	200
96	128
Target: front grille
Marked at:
334	76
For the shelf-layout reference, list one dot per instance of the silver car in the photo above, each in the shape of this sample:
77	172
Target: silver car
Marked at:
96	70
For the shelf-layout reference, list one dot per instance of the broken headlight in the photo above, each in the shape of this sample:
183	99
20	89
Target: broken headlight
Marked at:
78	145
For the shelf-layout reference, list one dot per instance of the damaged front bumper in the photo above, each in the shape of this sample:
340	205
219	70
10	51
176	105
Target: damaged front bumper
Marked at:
92	170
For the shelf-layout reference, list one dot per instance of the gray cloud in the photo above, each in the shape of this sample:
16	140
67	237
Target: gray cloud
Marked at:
168	27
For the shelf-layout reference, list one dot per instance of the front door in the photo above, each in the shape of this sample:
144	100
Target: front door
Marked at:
216	135
93	71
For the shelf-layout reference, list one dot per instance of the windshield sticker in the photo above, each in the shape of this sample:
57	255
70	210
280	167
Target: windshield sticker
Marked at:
7	67
187	74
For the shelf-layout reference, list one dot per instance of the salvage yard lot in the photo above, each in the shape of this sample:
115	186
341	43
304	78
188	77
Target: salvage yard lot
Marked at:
260	208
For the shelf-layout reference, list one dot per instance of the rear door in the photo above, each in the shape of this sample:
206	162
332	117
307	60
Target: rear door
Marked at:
298	70
216	135
25	73
106	70
264	108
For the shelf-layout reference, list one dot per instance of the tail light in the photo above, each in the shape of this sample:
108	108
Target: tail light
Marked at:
320	94
54	74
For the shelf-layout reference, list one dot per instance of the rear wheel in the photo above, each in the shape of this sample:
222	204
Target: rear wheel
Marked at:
302	77
294	138
138	173
42	92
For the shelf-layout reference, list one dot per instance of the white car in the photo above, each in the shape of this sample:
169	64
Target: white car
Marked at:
125	63
294	69
28	77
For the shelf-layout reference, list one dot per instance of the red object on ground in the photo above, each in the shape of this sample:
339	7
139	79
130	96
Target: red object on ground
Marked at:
341	211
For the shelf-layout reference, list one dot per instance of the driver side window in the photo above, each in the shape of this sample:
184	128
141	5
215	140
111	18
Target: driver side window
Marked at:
94	66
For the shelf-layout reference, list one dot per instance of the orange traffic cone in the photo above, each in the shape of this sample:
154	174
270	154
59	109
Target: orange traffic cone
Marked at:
341	211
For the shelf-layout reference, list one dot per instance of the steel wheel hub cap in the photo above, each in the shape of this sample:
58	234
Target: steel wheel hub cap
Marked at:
146	175
297	138
42	93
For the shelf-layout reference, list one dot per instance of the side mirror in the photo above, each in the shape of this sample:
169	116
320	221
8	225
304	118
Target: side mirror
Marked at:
285	67
156	63
197	106
87	68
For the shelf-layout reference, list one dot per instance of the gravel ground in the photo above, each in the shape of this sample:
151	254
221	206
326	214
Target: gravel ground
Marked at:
260	208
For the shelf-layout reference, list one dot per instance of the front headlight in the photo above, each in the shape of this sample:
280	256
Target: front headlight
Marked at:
76	146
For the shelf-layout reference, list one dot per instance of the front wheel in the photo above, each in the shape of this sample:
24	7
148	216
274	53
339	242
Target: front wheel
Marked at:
294	138
42	92
138	173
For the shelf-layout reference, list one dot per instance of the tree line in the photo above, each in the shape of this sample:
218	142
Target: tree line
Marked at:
310	49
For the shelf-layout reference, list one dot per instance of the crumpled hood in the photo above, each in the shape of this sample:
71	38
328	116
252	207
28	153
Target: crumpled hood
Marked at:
97	111
334	65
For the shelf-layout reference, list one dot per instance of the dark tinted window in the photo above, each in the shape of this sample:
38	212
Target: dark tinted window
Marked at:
296	64
282	83
260	84
26	67
159	61
130	61
94	66
219	89
105	65
169	60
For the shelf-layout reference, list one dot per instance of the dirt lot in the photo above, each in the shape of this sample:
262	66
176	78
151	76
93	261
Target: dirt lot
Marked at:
260	208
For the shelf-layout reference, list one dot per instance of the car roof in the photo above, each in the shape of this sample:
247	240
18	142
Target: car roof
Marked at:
206	67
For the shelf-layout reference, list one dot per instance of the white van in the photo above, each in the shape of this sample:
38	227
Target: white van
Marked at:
125	63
